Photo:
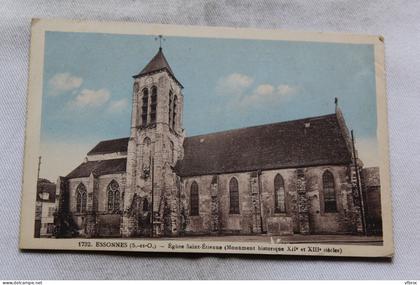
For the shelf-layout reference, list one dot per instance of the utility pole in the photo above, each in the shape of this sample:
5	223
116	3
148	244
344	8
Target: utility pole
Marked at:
152	218
359	190
39	167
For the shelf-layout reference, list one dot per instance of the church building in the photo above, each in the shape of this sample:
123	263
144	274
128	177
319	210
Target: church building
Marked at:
285	178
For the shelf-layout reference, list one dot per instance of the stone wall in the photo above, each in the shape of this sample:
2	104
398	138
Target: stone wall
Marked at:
304	203
97	220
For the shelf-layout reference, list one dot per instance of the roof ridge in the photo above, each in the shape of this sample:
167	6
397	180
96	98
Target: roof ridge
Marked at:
265	125
85	168
108	140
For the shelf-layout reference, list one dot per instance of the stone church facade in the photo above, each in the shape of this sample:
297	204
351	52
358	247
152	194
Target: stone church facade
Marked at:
295	177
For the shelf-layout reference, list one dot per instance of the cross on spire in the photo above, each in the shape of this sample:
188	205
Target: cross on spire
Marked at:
336	103
160	38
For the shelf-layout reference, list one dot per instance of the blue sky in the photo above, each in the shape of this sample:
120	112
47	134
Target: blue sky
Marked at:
228	83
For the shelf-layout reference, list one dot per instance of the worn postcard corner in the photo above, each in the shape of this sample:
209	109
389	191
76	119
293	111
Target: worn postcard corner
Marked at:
211	140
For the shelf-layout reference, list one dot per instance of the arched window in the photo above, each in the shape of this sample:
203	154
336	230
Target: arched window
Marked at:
144	106
234	196
81	198
147	142
153	105
147	153
279	195
330	203
145	205
170	109
174	113
116	200
110	195
113	196
194	200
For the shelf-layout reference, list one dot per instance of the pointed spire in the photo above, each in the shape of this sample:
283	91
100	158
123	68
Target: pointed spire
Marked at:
158	63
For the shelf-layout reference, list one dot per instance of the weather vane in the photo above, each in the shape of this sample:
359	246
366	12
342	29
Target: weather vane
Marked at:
160	38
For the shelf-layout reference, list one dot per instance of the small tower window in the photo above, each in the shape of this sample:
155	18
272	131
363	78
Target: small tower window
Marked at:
81	198
279	194
145	205
153	105
330	203
172	152
174	113
170	109
194	200
136	87
234	196
144	106
146	156
113	196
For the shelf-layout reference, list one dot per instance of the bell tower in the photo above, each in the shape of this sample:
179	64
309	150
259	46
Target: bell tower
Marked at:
155	145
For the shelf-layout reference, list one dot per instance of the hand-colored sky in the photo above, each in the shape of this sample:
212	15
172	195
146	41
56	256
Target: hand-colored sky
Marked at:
228	83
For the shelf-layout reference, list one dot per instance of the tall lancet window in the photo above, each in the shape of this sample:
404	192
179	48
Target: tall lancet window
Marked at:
144	106
330	203
172	152
170	109
81	198
194	200
174	113
113	196
145	205
153	105
279	194
147	155
234	196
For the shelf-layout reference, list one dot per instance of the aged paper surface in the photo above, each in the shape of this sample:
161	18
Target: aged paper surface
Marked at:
197	139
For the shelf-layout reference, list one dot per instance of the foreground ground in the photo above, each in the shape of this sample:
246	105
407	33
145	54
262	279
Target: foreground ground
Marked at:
297	238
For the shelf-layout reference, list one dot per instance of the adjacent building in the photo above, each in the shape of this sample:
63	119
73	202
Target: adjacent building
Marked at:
371	186
45	208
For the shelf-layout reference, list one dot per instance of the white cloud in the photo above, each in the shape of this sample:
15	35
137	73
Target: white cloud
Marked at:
268	94
118	105
63	82
284	89
234	84
91	98
243	94
264	89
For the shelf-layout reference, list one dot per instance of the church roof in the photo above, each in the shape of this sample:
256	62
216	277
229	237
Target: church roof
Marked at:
299	143
99	167
110	146
158	63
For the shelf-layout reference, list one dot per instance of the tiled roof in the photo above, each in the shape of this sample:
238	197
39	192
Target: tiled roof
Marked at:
300	143
99	167
110	146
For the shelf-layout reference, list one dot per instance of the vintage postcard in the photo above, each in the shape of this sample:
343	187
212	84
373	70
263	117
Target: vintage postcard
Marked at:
201	139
